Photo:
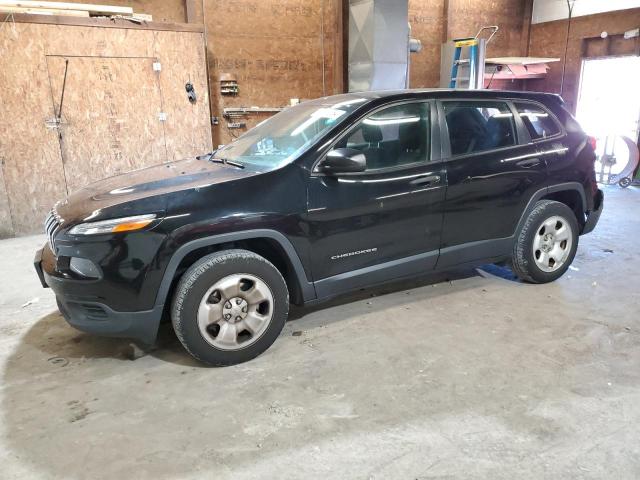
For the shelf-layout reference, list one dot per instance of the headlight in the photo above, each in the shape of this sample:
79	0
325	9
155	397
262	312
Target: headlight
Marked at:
126	224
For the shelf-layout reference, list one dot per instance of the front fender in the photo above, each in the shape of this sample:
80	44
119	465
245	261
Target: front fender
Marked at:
307	288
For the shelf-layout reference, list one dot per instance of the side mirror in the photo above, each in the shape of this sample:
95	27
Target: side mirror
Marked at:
343	160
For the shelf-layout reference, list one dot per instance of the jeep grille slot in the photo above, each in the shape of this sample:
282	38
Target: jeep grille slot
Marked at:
51	227
93	312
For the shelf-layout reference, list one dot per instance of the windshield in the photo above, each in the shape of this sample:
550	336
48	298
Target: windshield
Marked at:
283	137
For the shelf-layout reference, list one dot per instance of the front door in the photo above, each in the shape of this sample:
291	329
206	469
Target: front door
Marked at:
493	170
385	222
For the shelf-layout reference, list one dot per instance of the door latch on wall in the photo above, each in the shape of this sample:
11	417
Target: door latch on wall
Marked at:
191	93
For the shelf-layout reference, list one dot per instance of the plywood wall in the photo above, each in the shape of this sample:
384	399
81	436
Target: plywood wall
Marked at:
110	120
548	40
6	225
277	49
283	49
433	21
427	25
31	165
110	126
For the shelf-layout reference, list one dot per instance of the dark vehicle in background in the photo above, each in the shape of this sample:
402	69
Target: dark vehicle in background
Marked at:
329	196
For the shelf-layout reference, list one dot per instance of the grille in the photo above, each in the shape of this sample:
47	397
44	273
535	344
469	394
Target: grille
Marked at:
51	227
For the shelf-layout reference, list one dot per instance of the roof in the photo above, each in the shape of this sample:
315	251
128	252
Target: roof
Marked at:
453	93
385	95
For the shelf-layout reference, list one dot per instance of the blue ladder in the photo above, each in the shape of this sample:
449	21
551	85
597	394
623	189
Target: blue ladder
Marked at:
472	43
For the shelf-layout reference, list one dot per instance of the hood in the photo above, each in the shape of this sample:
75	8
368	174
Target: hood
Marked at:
144	189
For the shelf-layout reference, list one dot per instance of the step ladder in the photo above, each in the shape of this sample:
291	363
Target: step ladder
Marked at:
473	43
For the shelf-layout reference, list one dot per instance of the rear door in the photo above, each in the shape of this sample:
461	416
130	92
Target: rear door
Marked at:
493	169
384	222
546	132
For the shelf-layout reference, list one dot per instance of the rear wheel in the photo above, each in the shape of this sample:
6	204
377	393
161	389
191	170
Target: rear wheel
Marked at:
229	307
547	243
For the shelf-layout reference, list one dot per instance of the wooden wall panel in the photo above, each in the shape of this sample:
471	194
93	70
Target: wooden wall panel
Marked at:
110	125
97	42
188	126
548	40
427	23
468	16
33	169
6	224
267	75
275	48
265	18
432	21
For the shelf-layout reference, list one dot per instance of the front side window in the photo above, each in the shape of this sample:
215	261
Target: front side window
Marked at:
479	126
392	137
538	121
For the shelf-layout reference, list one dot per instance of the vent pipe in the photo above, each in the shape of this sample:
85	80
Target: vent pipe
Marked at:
379	45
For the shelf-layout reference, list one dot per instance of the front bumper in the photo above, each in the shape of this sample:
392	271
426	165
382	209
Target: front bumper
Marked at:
594	215
95	317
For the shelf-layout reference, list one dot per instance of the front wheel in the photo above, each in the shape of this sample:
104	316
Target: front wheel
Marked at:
547	243
229	307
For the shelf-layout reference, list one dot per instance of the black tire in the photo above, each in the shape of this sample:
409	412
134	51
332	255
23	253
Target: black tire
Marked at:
624	182
523	261
199	278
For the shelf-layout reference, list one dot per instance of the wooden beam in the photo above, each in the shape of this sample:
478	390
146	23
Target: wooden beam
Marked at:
345	45
190	11
338	48
89	7
43	11
447	18
525	38
105	23
143	17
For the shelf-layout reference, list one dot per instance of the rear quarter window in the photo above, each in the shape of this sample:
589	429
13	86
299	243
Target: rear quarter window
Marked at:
539	122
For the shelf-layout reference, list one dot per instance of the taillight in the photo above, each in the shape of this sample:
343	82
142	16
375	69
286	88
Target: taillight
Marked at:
593	142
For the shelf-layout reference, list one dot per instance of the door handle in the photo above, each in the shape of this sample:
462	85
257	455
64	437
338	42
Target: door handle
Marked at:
426	180
531	162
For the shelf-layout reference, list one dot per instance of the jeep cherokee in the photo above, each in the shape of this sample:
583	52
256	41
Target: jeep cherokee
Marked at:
331	195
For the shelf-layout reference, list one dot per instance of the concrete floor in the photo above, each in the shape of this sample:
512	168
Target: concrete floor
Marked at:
477	377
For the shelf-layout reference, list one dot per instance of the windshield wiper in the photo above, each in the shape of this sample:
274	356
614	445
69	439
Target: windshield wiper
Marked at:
224	161
210	158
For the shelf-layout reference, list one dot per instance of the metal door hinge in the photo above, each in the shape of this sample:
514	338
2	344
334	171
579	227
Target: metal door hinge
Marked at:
53	123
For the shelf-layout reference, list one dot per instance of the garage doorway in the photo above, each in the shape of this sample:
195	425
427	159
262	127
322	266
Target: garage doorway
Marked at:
609	108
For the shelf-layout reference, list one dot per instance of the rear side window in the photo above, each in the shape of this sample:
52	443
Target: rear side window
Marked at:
538	121
479	126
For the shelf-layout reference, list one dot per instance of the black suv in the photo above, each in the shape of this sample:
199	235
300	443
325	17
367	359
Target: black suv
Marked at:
328	196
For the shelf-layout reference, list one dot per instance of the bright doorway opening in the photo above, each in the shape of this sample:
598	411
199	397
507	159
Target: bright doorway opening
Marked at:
609	109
